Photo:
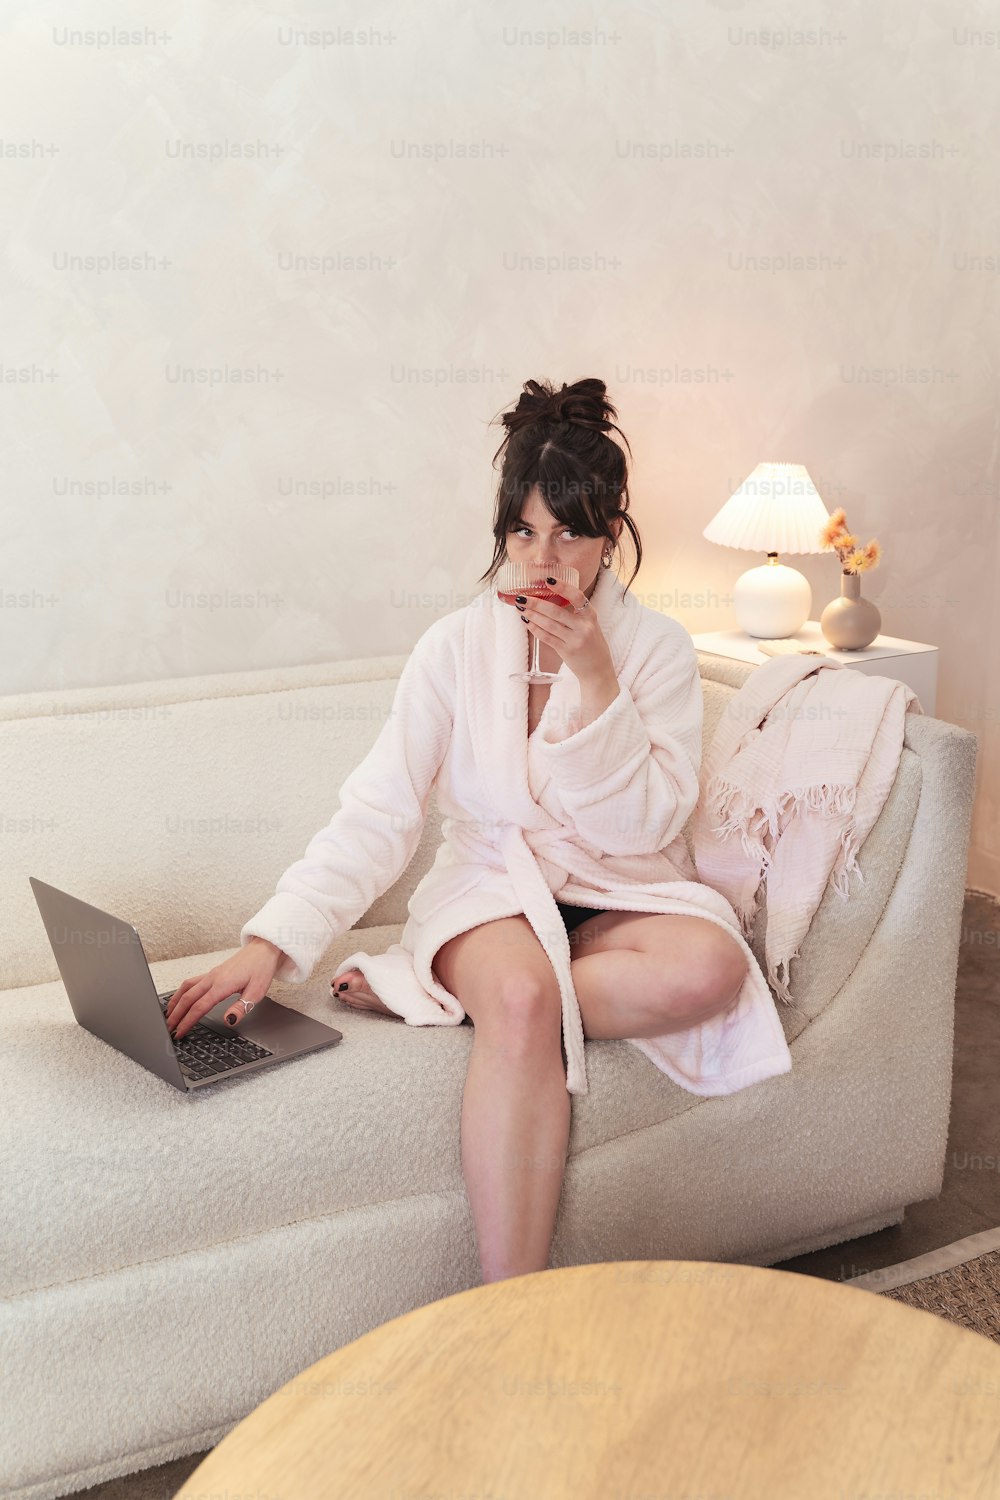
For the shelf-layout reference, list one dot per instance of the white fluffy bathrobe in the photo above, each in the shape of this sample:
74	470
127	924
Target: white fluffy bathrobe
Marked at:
589	816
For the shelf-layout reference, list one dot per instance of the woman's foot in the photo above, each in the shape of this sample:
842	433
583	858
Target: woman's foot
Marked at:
358	995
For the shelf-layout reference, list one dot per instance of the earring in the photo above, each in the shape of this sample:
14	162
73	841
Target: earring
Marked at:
605	559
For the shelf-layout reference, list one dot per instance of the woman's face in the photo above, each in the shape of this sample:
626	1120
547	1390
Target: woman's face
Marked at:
542	539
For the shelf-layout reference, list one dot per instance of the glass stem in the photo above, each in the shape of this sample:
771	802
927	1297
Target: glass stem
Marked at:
535	665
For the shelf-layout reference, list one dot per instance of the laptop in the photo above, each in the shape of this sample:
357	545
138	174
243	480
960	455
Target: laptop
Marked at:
114	996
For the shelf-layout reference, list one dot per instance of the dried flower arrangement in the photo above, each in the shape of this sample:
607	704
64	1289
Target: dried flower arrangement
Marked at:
852	559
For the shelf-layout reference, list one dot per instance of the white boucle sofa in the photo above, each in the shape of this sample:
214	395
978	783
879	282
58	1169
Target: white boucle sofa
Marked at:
169	1260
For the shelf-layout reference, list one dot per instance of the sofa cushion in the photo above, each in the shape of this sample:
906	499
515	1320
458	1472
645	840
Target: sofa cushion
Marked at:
107	1166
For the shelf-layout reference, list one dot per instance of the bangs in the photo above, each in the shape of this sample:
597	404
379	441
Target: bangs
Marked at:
569	493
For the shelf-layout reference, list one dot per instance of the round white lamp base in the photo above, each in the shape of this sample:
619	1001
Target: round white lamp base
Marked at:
772	601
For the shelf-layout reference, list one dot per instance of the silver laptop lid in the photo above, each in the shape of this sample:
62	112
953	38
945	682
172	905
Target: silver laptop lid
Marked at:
108	980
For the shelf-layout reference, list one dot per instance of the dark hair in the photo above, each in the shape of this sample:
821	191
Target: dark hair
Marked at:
557	442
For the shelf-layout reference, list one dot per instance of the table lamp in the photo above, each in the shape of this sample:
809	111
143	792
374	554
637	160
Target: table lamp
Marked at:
777	509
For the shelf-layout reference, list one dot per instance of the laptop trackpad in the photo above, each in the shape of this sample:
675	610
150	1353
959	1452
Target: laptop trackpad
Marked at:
272	1025
213	1018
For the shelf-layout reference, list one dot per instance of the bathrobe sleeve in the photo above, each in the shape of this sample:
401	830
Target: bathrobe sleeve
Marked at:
373	836
629	778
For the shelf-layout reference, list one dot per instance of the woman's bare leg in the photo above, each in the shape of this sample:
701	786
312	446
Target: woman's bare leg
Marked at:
642	975
515	1133
516	1108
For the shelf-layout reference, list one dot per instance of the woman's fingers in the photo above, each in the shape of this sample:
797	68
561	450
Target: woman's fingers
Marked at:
242	980
573	595
179	1000
253	992
241	1007
177	1004
184	1014
198	1008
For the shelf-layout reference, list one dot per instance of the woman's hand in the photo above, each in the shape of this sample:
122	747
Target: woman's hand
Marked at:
249	971
572	632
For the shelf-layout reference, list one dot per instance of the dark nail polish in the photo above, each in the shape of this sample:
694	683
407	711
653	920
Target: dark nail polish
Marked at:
342	986
550	580
520	608
521	598
231	1020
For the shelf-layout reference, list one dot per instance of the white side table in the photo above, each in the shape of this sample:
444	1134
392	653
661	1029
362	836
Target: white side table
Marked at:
911	662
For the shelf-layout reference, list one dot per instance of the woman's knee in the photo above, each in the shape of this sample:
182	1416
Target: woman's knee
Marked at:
519	1008
502	978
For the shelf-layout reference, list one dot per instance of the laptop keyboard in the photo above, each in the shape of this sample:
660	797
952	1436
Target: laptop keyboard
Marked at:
203	1053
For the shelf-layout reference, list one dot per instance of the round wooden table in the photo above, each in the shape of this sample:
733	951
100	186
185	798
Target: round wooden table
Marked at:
679	1380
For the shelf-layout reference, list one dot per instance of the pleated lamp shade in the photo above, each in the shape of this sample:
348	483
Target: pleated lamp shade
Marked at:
777	509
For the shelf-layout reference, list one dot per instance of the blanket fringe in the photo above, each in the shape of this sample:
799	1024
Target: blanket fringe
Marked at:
780	980
780	983
730	806
732	812
748	914
847	861
759	826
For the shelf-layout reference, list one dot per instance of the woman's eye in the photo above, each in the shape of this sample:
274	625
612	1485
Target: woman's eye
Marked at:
567	532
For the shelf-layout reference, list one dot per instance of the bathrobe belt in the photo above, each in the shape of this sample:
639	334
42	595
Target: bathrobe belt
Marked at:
539	906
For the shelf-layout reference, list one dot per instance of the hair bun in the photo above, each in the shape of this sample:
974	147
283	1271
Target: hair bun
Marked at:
584	403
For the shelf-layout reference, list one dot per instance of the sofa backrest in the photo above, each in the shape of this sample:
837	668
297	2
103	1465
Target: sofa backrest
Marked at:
176	805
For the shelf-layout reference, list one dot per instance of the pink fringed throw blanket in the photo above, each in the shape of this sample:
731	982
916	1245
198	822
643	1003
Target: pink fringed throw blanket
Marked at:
801	762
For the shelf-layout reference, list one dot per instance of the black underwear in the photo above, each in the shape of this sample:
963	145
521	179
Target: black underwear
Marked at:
573	915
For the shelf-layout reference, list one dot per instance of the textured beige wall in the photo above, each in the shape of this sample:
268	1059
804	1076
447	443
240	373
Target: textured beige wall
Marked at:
341	238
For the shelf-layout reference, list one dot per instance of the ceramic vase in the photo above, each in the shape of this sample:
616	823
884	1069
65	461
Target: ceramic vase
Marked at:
850	623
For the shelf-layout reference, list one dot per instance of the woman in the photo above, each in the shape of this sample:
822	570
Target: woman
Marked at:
578	790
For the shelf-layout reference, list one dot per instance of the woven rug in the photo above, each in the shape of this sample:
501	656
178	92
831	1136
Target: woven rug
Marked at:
968	1295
